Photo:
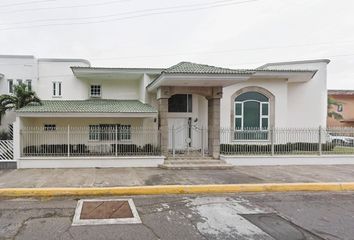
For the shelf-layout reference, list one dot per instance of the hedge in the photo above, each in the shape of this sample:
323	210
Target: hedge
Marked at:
82	149
288	147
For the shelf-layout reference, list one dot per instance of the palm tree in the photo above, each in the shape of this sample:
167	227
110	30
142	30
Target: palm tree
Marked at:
20	98
330	113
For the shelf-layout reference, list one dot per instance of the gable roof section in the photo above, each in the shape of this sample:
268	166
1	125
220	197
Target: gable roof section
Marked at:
89	106
195	68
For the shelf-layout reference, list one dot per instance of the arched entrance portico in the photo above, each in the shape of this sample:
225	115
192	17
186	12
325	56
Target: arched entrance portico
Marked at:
212	94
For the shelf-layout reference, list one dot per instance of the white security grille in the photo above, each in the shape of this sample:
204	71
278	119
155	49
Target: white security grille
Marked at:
6	150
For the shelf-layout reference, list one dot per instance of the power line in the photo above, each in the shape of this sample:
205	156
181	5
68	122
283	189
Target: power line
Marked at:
225	51
121	14
187	9
25	3
64	7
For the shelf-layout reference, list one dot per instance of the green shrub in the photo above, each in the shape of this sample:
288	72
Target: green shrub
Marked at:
278	148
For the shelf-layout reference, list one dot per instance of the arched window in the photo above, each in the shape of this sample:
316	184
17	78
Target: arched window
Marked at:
252	115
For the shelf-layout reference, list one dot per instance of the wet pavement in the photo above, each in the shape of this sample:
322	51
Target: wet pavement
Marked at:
232	216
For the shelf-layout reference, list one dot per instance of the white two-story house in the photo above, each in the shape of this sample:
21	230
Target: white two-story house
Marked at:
96	116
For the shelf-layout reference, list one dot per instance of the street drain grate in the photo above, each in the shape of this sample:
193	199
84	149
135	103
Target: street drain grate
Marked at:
280	228
105	211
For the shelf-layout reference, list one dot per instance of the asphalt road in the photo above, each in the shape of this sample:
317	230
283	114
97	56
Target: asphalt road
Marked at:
248	216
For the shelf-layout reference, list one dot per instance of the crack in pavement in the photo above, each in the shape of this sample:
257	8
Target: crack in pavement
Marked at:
46	215
151	230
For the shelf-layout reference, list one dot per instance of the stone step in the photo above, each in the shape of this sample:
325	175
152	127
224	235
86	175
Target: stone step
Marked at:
191	159
196	166
194	161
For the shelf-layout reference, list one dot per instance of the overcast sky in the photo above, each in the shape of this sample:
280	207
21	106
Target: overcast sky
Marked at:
161	33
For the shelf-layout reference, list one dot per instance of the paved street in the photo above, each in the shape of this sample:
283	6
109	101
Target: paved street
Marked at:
247	216
107	177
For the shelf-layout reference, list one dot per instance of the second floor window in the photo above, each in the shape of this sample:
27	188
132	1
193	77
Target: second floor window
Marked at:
95	91
29	84
11	85
56	89
19	81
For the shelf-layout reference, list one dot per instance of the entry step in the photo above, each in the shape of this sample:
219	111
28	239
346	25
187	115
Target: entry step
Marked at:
191	161
194	163
196	166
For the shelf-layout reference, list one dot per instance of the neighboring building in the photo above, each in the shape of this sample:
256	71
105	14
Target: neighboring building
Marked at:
345	100
186	105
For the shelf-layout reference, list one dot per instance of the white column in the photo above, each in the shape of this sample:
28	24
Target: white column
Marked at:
17	139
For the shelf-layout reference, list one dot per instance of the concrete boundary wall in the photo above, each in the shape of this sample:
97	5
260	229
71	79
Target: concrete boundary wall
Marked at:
90	162
287	160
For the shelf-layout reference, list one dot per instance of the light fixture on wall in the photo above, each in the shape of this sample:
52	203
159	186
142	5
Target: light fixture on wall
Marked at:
155	120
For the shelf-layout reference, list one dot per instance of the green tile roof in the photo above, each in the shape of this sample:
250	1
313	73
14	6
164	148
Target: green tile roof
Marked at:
194	68
89	106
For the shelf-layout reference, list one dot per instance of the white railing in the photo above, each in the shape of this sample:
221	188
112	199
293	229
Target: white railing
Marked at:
89	141
120	141
287	141
6	150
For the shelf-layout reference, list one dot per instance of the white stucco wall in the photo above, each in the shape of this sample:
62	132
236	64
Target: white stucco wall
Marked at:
52	71
307	102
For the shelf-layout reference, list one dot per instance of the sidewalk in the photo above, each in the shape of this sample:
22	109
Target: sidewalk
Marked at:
114	177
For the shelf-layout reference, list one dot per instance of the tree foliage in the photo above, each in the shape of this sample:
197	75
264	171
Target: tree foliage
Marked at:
331	102
19	99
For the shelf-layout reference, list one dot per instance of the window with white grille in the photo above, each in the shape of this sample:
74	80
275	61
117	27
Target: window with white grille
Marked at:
29	84
56	89
11	85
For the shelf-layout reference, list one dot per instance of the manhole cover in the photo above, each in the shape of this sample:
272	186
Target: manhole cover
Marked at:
105	211
280	228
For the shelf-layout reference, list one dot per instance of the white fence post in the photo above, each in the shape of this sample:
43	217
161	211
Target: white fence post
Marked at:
68	140
173	142
116	141
320	140
202	136
272	139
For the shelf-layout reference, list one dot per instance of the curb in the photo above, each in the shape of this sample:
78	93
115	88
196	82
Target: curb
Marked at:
176	189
